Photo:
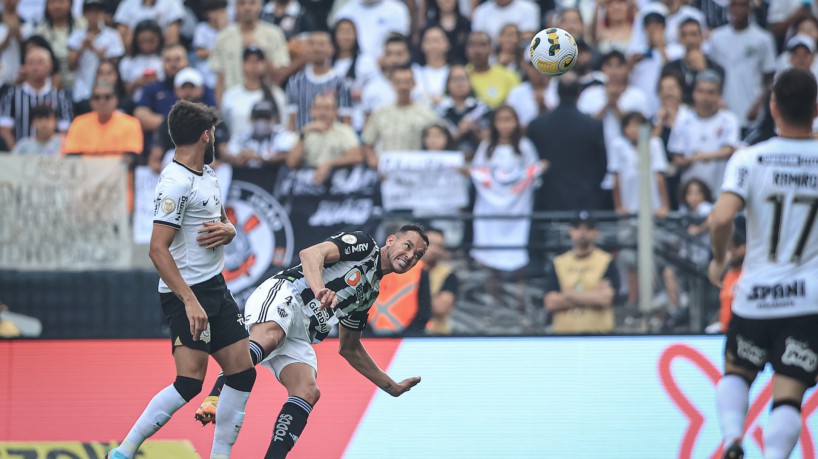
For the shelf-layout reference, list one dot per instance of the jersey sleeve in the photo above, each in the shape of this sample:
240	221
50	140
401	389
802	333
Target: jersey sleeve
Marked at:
737	175
169	204
354	246
356	320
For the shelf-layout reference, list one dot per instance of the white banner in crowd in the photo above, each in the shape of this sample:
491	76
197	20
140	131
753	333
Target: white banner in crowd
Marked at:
413	179
63	213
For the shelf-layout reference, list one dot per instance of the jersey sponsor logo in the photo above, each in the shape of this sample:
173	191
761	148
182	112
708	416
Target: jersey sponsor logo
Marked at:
743	172
349	238
362	247
182	202
788	160
797	353
319	324
794	289
264	236
353	277
748	351
282	426
204	203
795	179
240	319
168	205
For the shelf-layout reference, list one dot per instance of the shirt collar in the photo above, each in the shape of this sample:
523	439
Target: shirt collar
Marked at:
29	89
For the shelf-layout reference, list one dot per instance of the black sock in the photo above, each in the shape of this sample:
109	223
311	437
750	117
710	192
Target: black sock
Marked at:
290	423
257	354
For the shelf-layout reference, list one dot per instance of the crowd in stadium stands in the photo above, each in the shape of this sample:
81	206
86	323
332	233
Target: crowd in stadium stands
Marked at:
330	83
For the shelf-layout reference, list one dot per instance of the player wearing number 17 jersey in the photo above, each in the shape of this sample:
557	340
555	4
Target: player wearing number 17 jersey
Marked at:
775	309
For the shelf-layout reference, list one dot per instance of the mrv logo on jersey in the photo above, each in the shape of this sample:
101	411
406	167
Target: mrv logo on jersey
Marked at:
794	289
362	247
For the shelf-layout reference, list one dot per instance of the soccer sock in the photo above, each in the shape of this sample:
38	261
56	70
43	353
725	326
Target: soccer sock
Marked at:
290	423
230	412
158	412
732	402
256	354
783	429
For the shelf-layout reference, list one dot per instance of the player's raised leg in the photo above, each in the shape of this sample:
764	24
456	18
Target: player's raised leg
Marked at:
303	394
264	338
191	367
239	376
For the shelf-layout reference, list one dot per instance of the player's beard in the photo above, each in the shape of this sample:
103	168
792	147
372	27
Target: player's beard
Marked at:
210	152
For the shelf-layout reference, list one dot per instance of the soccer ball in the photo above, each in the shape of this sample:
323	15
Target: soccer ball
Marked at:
553	51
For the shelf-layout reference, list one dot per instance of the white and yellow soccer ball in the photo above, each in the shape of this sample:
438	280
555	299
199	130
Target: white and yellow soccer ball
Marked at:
553	51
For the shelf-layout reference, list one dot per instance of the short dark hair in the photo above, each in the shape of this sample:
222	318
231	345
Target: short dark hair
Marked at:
41	111
397	38
630	116
615	54
795	93
689	21
187	121
417	228
568	89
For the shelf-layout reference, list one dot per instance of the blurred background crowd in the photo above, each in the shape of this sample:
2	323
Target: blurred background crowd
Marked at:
321	85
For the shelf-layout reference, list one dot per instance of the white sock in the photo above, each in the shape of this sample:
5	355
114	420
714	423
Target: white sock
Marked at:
732	403
157	413
229	417
782	432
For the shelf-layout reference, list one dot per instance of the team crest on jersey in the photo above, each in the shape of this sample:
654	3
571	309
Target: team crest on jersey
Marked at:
264	235
168	205
353	277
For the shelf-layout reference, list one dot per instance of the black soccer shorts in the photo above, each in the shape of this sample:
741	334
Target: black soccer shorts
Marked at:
789	344
225	320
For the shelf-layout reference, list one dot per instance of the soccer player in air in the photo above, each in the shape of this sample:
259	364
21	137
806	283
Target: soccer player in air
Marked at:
336	282
775	310
189	232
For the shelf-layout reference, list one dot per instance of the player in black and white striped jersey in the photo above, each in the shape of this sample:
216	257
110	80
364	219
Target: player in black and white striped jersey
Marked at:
337	282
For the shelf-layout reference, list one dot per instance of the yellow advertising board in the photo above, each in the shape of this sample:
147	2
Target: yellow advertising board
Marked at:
157	449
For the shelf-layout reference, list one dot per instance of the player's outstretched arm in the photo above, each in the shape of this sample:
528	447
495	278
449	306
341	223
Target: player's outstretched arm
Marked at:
354	352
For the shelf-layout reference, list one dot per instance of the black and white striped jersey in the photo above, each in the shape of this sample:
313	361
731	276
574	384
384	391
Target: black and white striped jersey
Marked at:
355	278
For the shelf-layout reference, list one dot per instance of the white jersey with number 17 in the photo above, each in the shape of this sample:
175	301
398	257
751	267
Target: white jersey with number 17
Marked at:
778	181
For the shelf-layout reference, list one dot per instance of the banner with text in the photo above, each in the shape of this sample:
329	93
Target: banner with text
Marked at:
63	213
418	179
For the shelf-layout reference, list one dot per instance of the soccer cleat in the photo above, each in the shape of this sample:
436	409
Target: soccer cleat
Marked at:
114	454
734	452
207	412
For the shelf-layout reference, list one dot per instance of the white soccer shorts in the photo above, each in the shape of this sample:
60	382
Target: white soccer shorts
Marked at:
276	301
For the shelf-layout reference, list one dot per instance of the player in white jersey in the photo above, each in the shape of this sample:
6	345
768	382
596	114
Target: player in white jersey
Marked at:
336	283
190	228
775	310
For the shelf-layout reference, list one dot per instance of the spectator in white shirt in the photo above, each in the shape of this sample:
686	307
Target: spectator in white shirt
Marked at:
783	15
380	92
609	101
703	139
205	33
88	46
806	27
12	33
376	20
647	67
238	101
431	74
263	141
675	11
144	65
357	69
491	16
167	13
747	53
533	97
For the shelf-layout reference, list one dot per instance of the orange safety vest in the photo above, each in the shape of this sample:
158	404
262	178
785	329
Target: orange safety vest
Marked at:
397	303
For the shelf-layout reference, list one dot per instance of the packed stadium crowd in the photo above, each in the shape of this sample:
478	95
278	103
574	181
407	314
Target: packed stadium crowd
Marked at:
323	84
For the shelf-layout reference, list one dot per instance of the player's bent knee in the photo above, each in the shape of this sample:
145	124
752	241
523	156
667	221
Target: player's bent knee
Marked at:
187	387
268	334
310	393
242	381
746	374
